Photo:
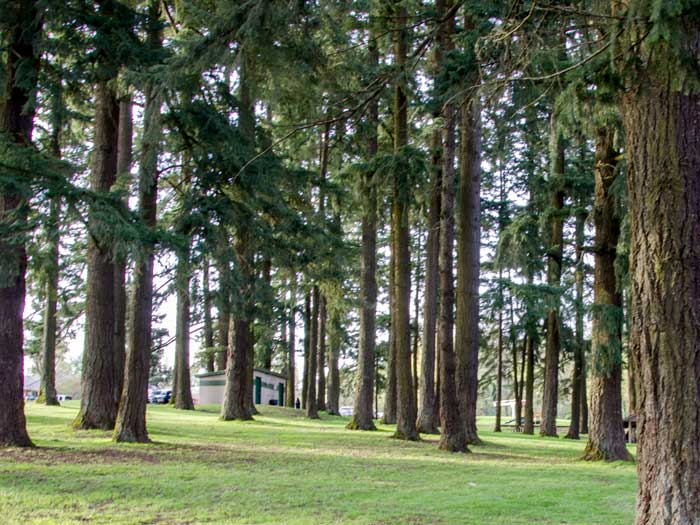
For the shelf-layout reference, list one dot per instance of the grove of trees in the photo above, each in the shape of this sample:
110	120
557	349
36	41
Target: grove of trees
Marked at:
450	202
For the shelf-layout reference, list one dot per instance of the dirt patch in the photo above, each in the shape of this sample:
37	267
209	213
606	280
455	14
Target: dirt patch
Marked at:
60	455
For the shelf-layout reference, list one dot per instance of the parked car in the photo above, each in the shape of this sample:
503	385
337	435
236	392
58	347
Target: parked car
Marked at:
162	396
64	397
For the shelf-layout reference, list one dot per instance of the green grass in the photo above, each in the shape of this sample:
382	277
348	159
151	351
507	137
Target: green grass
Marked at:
284	469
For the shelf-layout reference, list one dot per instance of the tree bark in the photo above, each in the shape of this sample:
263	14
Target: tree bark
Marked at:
335	340
223	298
124	158
290	390
307	349
17	120
131	417
311	398
468	253
389	417
574	426
321	354
427	421
182	388
584	396
210	363
606	438
548	426
98	408
499	367
529	426
362	417
400	230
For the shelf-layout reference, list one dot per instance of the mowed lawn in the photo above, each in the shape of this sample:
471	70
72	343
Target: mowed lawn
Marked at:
284	469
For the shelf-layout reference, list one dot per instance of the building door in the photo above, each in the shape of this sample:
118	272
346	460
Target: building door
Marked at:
280	394
258	390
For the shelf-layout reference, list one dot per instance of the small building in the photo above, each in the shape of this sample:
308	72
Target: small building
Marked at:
268	387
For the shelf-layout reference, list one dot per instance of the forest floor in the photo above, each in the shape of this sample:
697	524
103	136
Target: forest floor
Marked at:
284	469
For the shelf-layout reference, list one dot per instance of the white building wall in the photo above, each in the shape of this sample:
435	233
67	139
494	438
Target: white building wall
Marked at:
212	384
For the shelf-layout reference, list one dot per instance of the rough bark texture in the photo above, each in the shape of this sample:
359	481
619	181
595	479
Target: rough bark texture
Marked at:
124	157
335	340
400	233
362	417
47	389
17	120
468	248
311	398
98	408
663	141
208	328
584	397
548	426
529	426
131	418
575	425
453	437
606	438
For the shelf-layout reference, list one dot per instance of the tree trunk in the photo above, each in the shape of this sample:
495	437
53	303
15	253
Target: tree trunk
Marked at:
223	298
182	388
210	364
47	388
606	439
335	339
362	417
321	355
584	397
427	422
307	349
131	418
390	394
517	384
124	158
529	426
17	120
548	426
98	408
290	390
311	398
400	230
499	370
468	250
574	426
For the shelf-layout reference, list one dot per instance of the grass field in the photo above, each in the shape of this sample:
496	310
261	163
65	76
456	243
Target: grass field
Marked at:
284	469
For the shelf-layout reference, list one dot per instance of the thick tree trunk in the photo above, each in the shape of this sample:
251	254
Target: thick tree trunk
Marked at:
321	355
453	437
468	250
548	426
210	363
574	426
98	408
606	438
131	418
311	398
124	158
663	145
362	417
400	233
427	421
307	348
17	120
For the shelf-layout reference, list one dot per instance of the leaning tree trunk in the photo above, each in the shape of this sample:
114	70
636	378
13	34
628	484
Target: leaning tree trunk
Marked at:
548	426
124	157
131	418
98	408
400	233
468	249
427	421
311	399
17	120
663	152
606	437
574	426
